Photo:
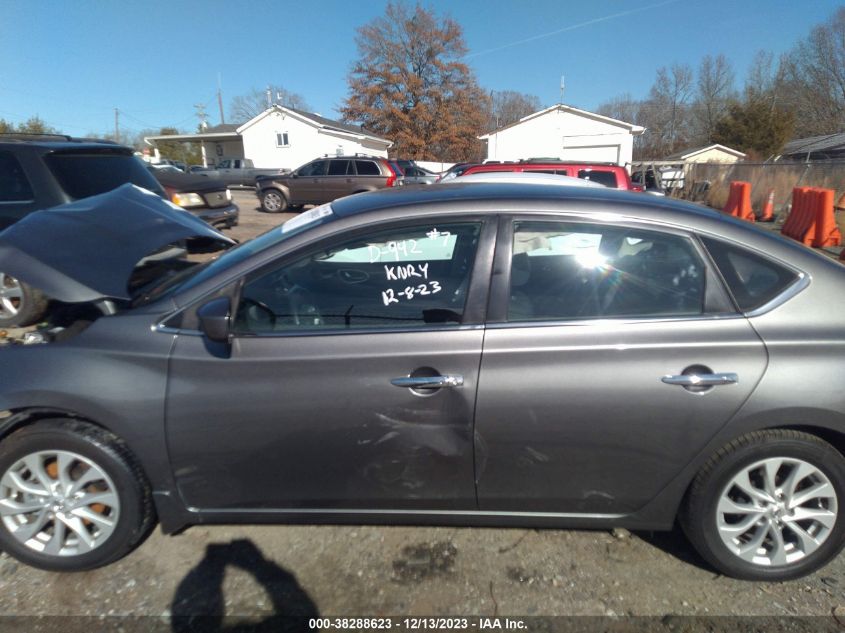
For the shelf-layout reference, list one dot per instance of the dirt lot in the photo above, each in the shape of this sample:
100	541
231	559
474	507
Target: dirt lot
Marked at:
259	572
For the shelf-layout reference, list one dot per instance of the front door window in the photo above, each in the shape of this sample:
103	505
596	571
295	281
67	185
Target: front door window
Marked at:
410	277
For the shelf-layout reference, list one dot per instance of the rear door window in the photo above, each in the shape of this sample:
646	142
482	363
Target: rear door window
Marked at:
14	186
562	271
606	178
338	167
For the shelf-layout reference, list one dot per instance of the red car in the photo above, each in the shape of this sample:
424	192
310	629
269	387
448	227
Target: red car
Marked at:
607	174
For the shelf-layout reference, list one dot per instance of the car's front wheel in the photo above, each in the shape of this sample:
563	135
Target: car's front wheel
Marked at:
72	497
20	303
768	506
273	201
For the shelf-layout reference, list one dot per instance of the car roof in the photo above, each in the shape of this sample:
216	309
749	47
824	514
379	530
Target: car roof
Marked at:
530	165
58	141
493	192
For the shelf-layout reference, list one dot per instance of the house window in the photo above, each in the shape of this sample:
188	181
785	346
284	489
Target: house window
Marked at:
282	139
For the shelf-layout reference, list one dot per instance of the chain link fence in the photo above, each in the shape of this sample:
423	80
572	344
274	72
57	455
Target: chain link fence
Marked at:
709	183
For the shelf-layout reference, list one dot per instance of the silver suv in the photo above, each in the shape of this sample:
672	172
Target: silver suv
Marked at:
323	180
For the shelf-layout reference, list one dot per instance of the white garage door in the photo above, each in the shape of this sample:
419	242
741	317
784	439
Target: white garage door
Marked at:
592	153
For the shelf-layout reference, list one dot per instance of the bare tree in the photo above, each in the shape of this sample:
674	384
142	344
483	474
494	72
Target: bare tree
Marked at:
250	105
715	90
762	77
623	108
509	106
814	78
410	85
665	113
626	108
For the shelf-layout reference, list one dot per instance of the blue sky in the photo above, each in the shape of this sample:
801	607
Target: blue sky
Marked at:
73	62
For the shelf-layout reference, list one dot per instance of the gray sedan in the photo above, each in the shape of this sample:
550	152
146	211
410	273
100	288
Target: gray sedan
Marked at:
467	354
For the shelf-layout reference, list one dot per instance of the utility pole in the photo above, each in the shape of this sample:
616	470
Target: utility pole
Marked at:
202	116
116	127
269	97
562	87
220	99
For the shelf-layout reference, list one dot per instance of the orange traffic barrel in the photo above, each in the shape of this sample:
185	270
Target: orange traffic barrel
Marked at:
827	233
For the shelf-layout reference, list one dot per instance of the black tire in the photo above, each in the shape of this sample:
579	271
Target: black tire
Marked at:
136	516
30	307
699	518
273	201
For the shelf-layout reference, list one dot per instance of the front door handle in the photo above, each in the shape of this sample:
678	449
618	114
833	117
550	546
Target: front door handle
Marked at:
428	382
702	380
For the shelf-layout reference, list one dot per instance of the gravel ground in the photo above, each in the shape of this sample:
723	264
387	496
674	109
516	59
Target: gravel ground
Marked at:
256	572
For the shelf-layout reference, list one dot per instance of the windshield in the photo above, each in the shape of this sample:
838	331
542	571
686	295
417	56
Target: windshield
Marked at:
199	273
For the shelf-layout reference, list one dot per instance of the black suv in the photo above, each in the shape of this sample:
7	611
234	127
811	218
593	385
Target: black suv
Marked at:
323	180
38	171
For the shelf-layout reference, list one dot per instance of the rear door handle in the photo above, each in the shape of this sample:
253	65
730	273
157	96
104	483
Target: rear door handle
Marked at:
702	380
428	382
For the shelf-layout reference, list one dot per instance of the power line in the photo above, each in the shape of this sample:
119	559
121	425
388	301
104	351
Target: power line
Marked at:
571	28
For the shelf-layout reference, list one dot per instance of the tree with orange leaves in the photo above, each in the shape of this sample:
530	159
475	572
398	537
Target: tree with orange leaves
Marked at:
410	85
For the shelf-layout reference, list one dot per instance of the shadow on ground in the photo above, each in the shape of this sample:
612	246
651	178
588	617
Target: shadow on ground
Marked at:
675	544
199	604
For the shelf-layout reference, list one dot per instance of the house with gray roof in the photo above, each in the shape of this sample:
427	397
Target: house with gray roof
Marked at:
813	148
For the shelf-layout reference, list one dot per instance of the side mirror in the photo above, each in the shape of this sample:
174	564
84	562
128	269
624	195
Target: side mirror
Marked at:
215	319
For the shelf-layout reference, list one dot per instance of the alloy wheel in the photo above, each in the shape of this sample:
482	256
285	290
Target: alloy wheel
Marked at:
776	511
58	503
11	296
272	201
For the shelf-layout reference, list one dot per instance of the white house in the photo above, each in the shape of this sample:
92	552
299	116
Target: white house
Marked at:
282	137
567	133
286	137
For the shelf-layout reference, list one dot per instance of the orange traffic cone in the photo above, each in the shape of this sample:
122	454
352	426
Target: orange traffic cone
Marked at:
768	214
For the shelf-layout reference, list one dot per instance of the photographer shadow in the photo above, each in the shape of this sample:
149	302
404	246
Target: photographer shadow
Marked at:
198	605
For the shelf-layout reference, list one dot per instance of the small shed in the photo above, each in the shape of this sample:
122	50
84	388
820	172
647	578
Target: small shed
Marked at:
714	153
566	133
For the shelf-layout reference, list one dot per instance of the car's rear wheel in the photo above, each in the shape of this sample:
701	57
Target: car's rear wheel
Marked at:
769	506
72	497
273	201
20	303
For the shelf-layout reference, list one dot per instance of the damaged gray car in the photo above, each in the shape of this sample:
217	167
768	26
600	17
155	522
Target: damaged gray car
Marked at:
471	354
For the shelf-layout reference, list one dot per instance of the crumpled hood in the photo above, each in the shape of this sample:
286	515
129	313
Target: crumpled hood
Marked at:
86	250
